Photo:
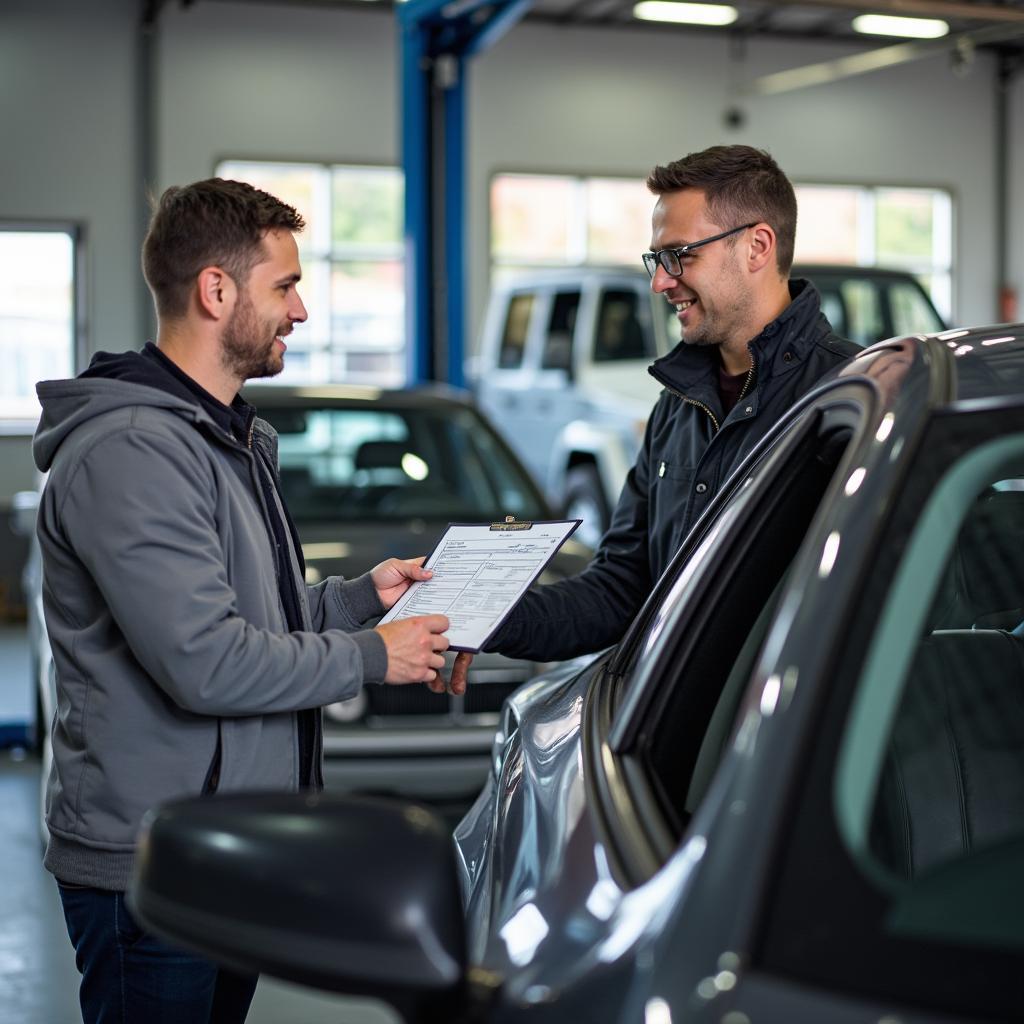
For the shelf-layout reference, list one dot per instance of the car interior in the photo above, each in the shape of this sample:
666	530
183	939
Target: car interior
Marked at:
953	779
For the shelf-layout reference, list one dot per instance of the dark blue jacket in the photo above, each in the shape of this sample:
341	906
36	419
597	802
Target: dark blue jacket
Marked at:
689	450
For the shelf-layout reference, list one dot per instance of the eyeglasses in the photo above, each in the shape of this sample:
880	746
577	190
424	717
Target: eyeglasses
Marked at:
672	259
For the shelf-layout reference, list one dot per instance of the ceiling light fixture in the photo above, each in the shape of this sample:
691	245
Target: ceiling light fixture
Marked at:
685	13
905	28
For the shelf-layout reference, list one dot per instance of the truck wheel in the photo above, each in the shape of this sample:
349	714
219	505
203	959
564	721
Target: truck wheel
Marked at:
584	499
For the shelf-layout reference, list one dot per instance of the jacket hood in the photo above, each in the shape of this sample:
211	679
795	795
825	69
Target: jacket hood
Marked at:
111	382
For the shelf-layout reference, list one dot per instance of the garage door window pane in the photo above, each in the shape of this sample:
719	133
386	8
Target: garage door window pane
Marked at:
618	220
904	225
37	316
827	225
367	206
531	219
352	270
879	226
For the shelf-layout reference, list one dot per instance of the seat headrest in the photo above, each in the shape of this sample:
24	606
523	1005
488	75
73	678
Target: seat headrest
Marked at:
381	454
991	553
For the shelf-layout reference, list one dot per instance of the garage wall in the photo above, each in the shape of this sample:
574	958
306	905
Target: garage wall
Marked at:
621	102
67	121
250	80
258	81
264	80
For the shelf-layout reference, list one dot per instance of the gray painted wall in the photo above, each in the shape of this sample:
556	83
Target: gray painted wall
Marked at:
258	80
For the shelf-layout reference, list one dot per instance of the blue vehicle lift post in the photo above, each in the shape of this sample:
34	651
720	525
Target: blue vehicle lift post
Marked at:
437	40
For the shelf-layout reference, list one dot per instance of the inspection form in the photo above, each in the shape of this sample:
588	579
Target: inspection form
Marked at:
480	571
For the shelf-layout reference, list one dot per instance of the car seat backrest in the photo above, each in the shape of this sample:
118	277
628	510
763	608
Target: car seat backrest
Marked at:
991	551
381	454
953	780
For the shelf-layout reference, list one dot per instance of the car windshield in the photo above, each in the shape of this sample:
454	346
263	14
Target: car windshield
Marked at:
387	463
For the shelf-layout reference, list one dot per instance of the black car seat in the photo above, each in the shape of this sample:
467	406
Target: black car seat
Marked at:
953	779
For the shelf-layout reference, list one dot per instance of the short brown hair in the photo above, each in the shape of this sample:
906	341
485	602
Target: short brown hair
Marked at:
209	223
740	184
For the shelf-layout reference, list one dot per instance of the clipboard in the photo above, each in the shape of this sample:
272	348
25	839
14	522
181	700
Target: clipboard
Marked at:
481	572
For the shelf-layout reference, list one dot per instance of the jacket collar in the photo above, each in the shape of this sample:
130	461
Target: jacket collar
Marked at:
692	370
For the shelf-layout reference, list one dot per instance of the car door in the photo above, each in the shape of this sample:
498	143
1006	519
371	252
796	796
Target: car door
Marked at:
902	880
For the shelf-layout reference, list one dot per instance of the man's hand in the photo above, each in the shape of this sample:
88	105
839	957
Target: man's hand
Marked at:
457	683
415	648
393	578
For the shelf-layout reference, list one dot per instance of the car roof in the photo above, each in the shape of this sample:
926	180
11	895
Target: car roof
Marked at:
850	270
354	396
957	368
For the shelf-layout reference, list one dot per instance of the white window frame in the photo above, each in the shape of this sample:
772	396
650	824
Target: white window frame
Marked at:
15	420
319	256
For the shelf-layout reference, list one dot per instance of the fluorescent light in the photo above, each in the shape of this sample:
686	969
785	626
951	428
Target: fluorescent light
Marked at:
907	28
684	13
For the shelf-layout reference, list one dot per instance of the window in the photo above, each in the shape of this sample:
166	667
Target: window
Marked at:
378	464
517	328
901	228
353	282
545	220
902	879
38	314
558	343
620	334
684	668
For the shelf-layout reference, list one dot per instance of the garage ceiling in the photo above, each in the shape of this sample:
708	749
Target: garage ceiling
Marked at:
814	19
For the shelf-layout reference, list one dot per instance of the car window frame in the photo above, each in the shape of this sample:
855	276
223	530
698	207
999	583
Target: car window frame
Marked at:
631	821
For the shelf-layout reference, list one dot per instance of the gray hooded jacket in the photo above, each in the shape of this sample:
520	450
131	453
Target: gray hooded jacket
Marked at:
176	673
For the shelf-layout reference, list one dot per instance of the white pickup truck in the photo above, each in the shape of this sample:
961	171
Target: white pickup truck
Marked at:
561	367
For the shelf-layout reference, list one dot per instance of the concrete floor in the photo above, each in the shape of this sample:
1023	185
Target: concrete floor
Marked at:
38	978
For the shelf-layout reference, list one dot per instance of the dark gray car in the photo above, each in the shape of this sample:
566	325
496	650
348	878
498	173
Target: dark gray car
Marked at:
794	792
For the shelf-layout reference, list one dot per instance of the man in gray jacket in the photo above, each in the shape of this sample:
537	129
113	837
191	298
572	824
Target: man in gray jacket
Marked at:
190	655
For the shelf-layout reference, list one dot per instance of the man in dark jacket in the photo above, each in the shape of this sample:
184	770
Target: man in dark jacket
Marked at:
753	342
191	657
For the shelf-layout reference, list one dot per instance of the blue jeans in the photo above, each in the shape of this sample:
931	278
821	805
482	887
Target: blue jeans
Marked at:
131	977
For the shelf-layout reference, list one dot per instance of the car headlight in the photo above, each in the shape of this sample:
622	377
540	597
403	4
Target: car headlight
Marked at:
348	711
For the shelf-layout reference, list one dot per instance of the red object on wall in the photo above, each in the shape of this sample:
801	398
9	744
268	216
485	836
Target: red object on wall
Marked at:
1008	305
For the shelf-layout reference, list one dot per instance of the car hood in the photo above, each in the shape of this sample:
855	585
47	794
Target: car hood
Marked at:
544	911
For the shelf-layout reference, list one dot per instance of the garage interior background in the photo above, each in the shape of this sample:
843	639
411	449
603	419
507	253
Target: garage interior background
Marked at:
319	82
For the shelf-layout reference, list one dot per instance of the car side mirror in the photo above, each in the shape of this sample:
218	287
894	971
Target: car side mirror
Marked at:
342	893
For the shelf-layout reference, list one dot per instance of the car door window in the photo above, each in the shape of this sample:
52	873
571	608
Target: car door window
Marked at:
557	354
343	465
864	321
689	663
911	311
621	332
516	332
904	875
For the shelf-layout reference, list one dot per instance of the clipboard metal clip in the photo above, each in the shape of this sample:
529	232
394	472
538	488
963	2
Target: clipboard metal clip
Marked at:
510	524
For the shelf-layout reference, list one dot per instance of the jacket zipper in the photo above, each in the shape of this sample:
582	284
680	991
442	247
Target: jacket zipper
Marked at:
311	716
746	383
692	401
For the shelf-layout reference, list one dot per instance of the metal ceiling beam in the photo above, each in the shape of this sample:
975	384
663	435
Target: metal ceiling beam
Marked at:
437	39
840	68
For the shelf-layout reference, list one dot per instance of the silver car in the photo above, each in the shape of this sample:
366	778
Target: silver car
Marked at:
793	793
